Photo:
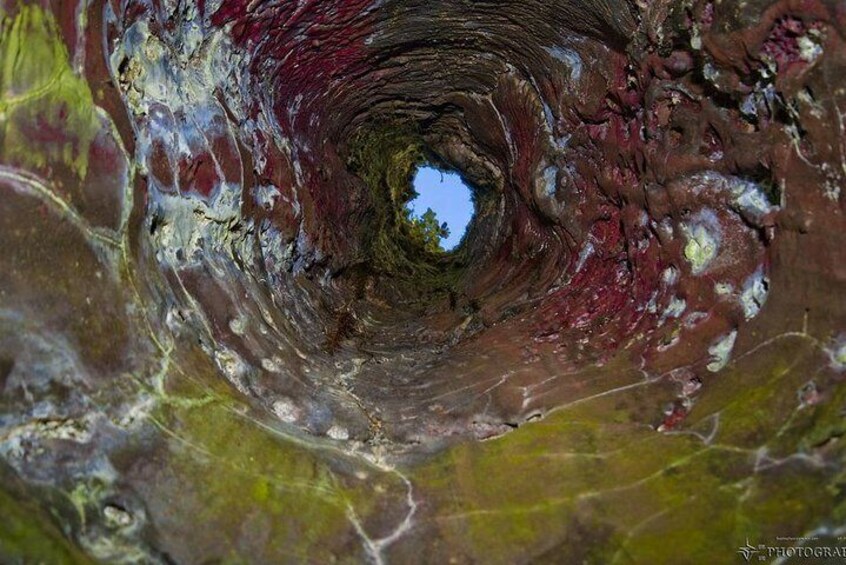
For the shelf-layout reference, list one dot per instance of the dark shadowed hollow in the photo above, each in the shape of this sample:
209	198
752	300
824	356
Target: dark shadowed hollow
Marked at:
225	336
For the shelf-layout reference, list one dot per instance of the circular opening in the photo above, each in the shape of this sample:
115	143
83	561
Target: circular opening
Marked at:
441	207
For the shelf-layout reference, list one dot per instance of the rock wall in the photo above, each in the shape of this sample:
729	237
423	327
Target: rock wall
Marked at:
221	339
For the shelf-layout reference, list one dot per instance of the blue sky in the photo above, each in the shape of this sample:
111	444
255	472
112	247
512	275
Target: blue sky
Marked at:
448	197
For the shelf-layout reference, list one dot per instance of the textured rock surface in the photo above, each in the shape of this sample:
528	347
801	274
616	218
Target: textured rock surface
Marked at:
220	340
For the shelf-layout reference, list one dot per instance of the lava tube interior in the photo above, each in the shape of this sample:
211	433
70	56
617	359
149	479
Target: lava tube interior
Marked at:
224	338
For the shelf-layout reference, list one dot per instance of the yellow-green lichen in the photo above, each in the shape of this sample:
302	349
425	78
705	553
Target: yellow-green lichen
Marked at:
701	247
47	113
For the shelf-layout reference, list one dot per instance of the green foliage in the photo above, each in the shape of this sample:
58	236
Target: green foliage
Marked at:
426	231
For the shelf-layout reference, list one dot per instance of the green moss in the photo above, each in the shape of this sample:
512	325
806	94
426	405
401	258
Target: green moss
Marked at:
694	530
658	498
240	470
826	422
757	397
27	536
261	490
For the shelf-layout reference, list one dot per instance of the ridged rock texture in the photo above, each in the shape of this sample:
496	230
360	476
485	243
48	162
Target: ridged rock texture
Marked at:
223	341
